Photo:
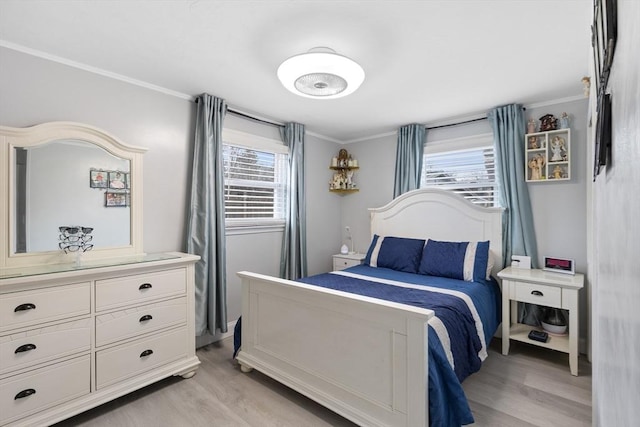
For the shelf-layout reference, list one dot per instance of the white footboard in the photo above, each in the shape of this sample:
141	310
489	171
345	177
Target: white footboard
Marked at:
364	358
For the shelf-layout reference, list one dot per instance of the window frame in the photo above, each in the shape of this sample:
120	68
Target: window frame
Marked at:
258	143
468	143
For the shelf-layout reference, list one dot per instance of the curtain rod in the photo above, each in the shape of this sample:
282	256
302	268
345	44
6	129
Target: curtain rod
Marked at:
461	123
456	124
248	116
255	119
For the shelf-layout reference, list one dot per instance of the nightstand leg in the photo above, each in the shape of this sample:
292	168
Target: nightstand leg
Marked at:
506	320
573	331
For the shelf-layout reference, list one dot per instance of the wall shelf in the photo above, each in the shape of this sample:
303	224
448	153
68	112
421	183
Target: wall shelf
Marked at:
342	180
548	156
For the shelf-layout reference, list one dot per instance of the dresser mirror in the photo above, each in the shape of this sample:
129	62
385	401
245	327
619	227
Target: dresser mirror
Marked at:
68	174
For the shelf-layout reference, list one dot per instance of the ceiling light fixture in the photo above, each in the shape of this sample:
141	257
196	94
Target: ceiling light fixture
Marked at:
321	73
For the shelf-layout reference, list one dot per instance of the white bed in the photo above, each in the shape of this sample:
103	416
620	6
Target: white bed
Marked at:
363	358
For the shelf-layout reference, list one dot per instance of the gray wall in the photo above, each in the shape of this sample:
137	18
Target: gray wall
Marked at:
616	209
558	208
35	90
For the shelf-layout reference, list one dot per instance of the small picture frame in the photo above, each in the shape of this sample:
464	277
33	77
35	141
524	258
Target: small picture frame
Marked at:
98	178
559	265
115	199
118	180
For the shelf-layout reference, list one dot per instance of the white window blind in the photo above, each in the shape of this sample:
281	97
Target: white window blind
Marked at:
470	172
254	186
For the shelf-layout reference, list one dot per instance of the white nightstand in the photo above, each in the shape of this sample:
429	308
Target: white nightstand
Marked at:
543	288
342	261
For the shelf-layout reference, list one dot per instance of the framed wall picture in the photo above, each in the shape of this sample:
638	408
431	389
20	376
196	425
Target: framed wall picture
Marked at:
98	178
118	180
604	34
602	151
115	199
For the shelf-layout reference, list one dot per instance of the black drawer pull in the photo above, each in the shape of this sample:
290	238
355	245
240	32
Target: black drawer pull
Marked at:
146	353
146	317
145	286
26	347
25	307
537	293
24	393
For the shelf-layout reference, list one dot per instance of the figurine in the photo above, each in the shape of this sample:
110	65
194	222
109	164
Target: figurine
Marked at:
586	82
533	143
557	147
536	164
531	126
548	122
564	121
350	182
557	172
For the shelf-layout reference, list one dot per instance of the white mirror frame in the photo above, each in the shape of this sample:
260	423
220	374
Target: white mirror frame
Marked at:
11	138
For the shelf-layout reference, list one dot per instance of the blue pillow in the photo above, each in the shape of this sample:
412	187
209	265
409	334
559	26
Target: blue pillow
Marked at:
458	260
396	253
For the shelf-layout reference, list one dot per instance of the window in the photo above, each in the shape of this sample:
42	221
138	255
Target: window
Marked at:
465	166
255	183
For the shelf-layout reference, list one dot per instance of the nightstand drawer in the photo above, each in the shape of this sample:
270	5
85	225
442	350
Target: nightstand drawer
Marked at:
538	294
342	263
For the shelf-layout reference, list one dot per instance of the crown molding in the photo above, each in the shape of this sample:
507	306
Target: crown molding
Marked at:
95	70
191	98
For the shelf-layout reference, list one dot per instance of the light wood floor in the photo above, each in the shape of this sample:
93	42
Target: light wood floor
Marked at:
530	387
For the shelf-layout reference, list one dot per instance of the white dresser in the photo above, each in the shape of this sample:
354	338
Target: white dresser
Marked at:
72	338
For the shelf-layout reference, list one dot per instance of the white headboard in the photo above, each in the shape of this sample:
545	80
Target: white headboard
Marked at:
435	214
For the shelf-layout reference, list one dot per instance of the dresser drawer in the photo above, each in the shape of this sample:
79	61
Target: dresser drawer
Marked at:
43	388
27	348
130	290
538	294
26	308
122	362
134	321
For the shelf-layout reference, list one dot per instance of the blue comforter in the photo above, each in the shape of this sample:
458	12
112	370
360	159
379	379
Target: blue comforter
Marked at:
469	312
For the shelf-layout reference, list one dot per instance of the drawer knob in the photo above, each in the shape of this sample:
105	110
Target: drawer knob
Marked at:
146	353
145	286
537	293
26	347
25	307
146	317
24	393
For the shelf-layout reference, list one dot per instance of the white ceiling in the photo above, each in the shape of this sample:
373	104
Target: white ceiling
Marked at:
425	61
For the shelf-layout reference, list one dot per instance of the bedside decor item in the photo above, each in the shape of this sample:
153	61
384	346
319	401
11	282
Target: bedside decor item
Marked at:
538	336
321	73
554	321
559	265
350	237
344	249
